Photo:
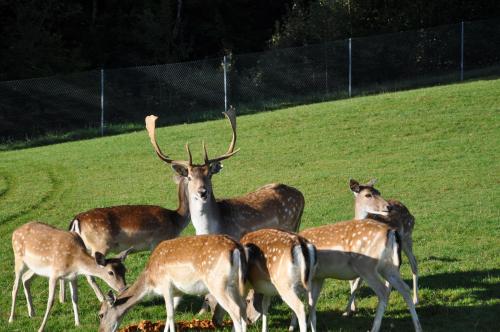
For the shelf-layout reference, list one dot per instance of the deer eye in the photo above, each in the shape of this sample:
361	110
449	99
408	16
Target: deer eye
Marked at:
111	273
101	316
368	195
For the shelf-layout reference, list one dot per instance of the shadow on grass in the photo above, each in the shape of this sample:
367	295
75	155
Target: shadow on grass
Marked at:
433	317
189	303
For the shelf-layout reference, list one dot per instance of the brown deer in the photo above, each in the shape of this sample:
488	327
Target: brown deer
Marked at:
364	249
47	251
271	206
140	227
279	263
194	265
370	204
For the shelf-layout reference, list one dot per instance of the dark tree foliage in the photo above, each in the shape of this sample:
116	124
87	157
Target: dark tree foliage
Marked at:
41	38
315	21
47	37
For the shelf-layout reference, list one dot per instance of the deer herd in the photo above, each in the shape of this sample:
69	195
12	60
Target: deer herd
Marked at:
246	250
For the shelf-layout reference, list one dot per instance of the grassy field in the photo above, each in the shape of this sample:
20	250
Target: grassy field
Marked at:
436	149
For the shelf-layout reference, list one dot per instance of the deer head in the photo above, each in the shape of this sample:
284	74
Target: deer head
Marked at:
199	176
368	199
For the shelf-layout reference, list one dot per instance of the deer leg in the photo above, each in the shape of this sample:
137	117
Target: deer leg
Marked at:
266	301
18	270
294	302
73	287
231	301
407	247
396	281
316	286
26	278
62	293
169	305
50	301
351	305
95	287
373	280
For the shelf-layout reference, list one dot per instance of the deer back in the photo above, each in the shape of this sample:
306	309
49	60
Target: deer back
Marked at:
276	255
119	227
191	257
344	244
271	206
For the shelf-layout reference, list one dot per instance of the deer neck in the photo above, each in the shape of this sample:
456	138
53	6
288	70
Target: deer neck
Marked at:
205	215
88	266
131	296
182	217
359	212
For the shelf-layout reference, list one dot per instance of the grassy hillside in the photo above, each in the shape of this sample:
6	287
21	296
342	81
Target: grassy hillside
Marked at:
436	149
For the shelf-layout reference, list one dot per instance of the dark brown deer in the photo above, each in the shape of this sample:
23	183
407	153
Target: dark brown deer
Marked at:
140	227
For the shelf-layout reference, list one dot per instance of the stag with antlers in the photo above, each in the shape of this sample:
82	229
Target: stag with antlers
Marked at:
271	206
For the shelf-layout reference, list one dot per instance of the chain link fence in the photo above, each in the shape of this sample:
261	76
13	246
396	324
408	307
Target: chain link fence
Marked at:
199	90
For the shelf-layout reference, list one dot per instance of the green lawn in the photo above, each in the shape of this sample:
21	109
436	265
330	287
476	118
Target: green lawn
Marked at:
436	149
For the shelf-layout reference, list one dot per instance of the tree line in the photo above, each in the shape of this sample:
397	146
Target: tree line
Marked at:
48	37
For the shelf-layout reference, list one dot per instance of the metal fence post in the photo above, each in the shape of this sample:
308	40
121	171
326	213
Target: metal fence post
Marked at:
225	83
350	67
462	51
326	69
102	102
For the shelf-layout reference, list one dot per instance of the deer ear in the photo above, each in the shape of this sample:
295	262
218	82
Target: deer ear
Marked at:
180	169
354	185
216	167
177	178
111	298
371	183
124	254
100	258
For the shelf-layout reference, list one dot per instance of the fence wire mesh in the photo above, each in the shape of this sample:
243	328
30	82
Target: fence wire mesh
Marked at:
192	91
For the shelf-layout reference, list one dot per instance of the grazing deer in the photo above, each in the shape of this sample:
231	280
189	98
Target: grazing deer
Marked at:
194	265
370	204
47	251
359	248
140	227
282	263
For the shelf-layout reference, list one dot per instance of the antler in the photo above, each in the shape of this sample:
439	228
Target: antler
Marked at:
150	127
371	183
231	116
